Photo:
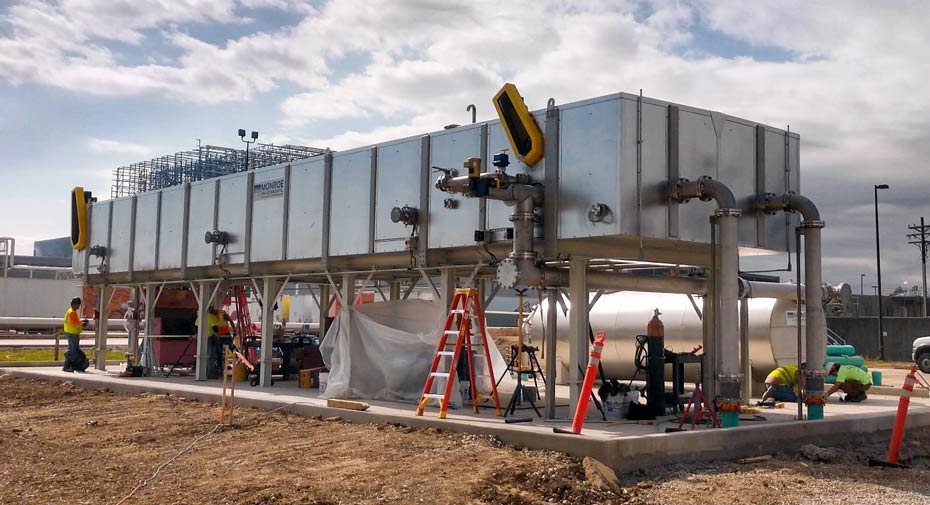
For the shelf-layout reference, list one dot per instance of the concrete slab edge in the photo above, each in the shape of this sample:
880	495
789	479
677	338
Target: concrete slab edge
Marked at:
622	454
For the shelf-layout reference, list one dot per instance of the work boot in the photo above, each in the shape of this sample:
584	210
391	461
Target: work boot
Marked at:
67	369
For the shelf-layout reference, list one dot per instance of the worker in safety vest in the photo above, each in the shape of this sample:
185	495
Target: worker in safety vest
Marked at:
851	380
73	326
780	385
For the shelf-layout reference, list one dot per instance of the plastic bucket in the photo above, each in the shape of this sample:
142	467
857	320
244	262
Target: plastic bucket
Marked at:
324	380
876	378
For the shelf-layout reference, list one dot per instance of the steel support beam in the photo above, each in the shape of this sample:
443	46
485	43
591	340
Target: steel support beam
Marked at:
324	308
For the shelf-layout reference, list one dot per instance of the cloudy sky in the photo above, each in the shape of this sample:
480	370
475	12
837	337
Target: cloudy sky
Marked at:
89	85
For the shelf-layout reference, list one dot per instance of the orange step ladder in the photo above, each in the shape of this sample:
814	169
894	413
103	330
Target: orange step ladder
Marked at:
465	313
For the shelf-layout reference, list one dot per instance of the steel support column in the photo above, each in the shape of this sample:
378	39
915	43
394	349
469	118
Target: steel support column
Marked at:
269	293
103	296
395	291
552	314
133	336
578	324
324	308
447	283
203	350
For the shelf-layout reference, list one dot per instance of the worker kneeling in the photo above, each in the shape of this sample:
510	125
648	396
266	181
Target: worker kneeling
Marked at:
780	385
851	380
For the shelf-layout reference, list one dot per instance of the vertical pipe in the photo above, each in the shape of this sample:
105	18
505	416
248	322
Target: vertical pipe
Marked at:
395	290
816	320
709	364
102	327
202	356
729	374
745	365
552	314
268	298
578	324
348	289
801	364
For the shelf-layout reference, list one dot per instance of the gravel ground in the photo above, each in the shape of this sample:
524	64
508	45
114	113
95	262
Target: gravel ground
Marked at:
63	444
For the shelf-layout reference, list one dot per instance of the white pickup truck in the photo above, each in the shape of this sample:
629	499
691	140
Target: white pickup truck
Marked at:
921	353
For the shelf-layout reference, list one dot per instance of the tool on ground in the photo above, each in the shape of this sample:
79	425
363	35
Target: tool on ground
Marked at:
698	409
590	374
897	433
465	313
522	393
621	423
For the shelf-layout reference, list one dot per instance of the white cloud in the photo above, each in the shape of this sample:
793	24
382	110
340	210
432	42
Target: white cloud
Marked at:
104	146
855	91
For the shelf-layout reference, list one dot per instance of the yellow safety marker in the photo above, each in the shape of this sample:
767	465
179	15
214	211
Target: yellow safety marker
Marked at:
78	219
519	125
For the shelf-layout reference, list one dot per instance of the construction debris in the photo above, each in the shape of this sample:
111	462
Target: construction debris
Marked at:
601	476
347	404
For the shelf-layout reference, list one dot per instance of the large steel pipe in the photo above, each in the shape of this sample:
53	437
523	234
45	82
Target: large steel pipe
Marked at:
816	333
729	377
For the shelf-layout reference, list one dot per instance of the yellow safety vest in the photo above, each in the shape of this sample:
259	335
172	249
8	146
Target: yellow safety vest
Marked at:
70	327
211	322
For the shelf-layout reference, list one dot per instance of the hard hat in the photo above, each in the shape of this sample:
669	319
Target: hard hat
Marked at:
76	301
829	366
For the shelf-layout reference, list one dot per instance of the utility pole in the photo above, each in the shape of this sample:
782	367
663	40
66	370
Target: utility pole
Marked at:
878	267
919	238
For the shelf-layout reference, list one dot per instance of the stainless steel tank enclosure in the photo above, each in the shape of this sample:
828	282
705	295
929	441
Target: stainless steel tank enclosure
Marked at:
616	153
611	191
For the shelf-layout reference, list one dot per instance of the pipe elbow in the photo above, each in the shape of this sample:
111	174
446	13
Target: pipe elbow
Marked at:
706	189
719	191
802	205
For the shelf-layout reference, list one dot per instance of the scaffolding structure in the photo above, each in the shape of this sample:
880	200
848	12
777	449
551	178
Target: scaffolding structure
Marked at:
204	162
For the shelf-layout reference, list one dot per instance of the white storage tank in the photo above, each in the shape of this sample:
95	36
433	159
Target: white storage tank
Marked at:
625	314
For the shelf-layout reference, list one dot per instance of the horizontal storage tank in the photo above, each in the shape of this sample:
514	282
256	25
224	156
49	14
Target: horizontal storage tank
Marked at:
623	315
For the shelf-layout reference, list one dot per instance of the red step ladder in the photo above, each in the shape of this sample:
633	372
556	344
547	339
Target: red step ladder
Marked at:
465	313
244	320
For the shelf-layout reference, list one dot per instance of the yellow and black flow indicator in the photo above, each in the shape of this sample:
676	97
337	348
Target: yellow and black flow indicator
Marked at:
79	230
525	137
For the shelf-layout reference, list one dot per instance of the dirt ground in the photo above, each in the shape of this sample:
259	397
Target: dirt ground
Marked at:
63	444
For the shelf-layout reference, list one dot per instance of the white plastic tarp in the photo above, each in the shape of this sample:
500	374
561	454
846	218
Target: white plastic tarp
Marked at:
383	351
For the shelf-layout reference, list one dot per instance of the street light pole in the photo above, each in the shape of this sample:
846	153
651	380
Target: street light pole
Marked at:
878	268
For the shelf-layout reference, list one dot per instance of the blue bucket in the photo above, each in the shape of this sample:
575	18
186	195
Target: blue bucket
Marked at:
876	378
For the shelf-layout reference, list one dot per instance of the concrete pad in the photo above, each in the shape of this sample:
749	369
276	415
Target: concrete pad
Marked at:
623	447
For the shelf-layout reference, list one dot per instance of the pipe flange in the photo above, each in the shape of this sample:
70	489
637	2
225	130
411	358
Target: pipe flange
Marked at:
815	373
524	216
815	399
812	224
523	255
507	273
768	203
728	405
727	212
